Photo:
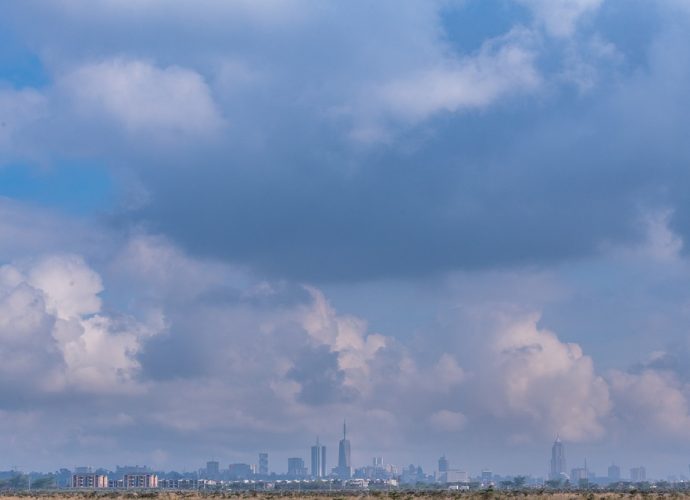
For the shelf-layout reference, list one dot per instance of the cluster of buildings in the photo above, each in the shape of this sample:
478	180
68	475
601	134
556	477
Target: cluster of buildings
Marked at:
580	475
212	475
125	478
296	466
316	474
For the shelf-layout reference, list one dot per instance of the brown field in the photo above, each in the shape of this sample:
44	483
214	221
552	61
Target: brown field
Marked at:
397	495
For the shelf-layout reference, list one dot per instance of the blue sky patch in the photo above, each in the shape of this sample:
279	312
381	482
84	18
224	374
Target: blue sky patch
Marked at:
71	187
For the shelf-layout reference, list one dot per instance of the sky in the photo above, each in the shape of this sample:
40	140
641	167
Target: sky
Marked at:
226	226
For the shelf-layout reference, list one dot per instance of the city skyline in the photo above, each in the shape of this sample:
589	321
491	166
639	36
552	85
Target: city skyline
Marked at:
298	467
95	477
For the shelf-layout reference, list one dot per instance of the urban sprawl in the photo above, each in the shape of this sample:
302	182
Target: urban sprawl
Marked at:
377	476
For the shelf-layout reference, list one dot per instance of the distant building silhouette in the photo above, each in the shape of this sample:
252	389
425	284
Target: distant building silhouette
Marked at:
212	469
239	471
296	467
578	474
487	476
443	464
344	469
614	474
638	474
131	469
318	460
558	466
263	464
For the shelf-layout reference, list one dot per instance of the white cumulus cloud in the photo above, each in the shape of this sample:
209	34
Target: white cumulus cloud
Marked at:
548	382
144	98
502	67
52	327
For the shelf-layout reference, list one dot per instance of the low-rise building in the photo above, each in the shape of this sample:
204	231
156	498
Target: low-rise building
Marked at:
178	484
137	481
90	481
456	476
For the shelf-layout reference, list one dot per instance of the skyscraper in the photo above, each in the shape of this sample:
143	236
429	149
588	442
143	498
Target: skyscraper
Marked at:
557	459
344	470
318	460
296	467
443	464
212	469
263	464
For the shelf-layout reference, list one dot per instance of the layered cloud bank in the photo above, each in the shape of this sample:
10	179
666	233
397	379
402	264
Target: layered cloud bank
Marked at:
456	224
205	351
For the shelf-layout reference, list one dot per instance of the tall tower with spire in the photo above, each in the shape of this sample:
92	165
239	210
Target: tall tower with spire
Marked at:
558	466
344	469
318	460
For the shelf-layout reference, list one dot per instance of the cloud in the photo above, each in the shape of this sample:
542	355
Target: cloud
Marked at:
28	355
551	384
70	287
346	336
502	67
143	98
53	308
447	372
464	167
653	400
448	421
19	109
560	17
320	378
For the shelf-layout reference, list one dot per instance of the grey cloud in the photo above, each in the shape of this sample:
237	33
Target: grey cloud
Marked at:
320	378
287	193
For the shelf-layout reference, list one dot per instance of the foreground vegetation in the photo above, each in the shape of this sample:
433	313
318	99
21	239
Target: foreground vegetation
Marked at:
351	495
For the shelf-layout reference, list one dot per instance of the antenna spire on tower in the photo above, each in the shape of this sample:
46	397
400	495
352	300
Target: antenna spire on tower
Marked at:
344	430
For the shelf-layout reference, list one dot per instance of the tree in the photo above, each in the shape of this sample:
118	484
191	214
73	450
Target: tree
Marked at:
553	483
18	482
519	481
44	482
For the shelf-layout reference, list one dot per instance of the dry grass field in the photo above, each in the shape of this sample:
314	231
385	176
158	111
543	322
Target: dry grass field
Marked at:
397	495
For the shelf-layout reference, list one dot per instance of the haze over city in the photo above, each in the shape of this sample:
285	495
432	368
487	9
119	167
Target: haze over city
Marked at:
227	227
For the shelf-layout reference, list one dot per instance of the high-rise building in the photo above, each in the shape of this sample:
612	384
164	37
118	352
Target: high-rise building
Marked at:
344	469
557	459
212	469
239	471
487	476
296	467
378	462
263	464
318	460
443	464
638	474
578	474
614	474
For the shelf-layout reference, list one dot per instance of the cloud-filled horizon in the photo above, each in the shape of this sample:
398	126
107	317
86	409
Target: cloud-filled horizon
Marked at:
460	225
